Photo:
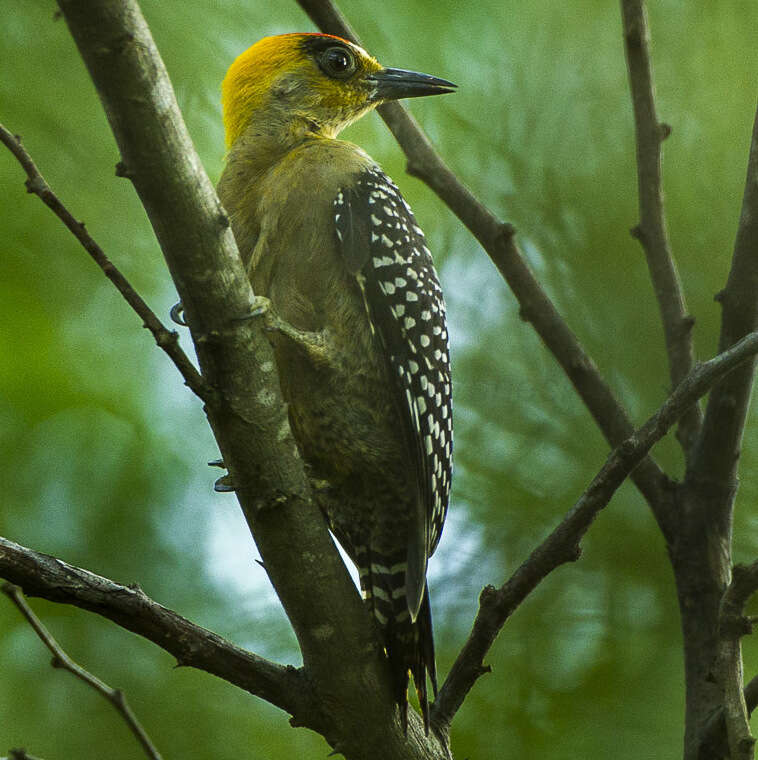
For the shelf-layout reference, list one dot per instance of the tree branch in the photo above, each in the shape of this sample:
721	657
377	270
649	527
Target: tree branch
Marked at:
701	555
733	625
345	665
562	545
62	660
128	606
197	242
717	451
651	230
290	689
166	339
499	242
714	740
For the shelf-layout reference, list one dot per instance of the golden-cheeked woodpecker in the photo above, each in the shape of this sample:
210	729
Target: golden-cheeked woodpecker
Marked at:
356	316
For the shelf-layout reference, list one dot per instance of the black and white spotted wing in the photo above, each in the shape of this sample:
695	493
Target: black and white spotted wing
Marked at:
386	250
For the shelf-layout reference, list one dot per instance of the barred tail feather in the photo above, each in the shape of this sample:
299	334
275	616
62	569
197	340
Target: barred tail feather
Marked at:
409	645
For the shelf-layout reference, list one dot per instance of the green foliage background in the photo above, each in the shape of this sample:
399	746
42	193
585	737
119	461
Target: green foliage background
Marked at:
103	451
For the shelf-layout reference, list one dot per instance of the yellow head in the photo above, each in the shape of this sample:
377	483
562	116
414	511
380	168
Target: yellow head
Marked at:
324	81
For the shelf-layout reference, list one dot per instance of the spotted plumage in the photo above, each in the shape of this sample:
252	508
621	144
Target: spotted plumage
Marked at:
386	251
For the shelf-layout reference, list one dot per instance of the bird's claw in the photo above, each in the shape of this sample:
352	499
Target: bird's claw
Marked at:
224	484
177	314
272	322
261	307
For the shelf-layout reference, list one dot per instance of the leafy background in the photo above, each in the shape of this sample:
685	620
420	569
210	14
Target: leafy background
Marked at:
103	451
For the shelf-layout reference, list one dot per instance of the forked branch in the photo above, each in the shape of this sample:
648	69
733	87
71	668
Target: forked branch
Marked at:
62	660
128	606
562	545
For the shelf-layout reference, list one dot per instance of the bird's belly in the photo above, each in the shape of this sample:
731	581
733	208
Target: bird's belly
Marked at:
351	436
346	424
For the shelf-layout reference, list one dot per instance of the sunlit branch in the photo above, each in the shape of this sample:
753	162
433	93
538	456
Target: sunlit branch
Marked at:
562	545
62	660
651	230
166	339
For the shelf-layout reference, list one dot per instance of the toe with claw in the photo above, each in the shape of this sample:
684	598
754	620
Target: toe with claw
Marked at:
177	314
224	484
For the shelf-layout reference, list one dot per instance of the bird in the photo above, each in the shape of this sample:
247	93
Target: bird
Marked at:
355	314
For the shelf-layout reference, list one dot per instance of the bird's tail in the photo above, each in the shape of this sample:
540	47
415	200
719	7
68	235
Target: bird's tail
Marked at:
409	645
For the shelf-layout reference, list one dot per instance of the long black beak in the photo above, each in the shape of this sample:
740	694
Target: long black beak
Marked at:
394	84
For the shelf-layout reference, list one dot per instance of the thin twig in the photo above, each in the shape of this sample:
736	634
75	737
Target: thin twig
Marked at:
651	230
129	607
62	660
498	240
165	338
562	545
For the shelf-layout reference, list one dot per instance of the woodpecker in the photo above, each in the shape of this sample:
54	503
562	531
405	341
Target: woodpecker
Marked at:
356	317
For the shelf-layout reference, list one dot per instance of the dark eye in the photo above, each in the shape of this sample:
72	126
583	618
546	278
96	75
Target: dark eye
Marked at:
337	62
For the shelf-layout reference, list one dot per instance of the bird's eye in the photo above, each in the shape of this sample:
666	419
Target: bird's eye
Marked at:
337	62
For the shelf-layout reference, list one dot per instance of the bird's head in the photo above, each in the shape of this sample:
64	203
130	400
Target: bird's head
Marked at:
324	81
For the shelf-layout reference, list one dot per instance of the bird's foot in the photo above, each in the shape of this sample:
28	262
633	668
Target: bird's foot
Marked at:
261	307
177	314
315	344
224	484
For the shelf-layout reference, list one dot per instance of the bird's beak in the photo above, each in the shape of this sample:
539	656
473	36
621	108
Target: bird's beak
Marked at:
394	84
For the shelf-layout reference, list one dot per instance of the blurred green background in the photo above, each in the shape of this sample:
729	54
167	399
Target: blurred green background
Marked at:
103	451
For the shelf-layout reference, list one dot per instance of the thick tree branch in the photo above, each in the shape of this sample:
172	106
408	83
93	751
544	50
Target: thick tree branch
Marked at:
199	247
343	660
651	230
499	242
166	339
62	660
562	545
55	580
